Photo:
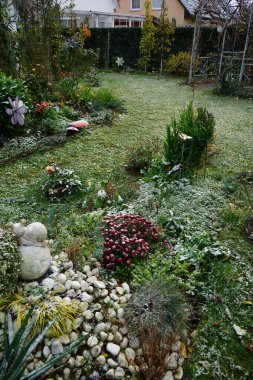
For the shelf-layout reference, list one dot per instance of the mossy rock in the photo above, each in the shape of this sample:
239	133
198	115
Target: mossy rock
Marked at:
9	263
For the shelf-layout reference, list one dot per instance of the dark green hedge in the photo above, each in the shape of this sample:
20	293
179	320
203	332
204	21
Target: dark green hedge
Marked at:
124	42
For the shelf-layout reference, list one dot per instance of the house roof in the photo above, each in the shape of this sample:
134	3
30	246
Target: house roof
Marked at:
190	6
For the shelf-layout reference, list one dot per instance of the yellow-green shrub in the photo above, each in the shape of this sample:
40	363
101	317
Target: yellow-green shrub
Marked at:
178	64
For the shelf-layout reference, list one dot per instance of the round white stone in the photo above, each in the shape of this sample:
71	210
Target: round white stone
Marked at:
73	336
130	354
171	361
95	351
112	363
99	316
79	361
65	339
120	313
113	349
48	283
56	347
86	297
76	285
118	337
88	314
119	373
126	287
124	343
114	297
86	268
178	375
92	279
168	376
46	351
100	327
101	360
103	336
122	360
110	374
92	341
99	284
66	373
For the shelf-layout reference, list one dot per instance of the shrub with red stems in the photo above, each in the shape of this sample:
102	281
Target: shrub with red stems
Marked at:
126	239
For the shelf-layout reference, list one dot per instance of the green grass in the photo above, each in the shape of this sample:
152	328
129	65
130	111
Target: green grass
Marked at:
101	154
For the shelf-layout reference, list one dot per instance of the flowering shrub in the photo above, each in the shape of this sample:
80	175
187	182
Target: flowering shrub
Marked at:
60	182
127	237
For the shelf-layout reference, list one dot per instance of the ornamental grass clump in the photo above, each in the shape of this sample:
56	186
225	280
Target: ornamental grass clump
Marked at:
127	238
49	309
156	314
60	183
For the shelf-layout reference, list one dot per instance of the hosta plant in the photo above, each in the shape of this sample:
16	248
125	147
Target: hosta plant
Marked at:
20	345
126	239
60	182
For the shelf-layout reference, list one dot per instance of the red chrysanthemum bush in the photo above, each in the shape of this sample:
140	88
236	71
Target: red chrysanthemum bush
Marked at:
127	238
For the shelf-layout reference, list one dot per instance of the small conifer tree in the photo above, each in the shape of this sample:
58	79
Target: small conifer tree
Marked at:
164	35
147	42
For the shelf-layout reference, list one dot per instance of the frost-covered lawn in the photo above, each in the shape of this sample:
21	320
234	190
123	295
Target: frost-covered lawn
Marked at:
100	154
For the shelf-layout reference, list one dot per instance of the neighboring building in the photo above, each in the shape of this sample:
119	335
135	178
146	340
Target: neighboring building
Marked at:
100	14
180	12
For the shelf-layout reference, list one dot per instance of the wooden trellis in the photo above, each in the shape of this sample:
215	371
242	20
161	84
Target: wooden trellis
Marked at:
225	12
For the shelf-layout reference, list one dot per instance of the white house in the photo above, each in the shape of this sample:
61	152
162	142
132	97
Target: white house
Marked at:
99	14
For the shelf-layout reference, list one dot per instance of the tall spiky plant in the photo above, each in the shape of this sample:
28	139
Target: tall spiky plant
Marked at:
20	345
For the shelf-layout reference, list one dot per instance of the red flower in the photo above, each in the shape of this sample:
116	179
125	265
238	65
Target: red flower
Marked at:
40	106
50	169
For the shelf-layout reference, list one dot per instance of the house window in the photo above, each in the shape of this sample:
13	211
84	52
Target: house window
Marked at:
174	21
121	23
136	4
68	22
136	24
156	4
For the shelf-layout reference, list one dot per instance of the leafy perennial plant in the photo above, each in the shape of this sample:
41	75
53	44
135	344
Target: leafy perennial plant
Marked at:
60	182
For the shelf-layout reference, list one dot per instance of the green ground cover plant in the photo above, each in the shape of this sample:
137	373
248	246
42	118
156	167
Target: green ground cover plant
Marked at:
9	263
226	280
